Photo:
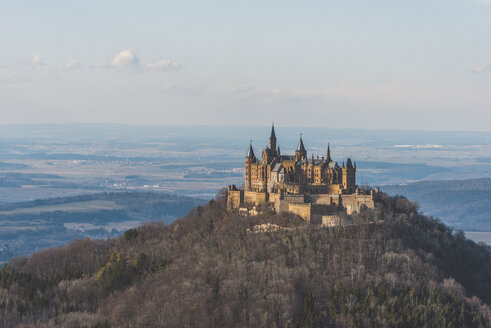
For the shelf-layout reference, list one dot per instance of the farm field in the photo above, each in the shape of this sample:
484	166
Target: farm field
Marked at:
88	206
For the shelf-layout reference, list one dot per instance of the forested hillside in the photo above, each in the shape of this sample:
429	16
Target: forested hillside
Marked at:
391	267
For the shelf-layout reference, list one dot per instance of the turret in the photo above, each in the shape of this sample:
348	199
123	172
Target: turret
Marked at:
349	176
300	153
250	154
344	176
249	160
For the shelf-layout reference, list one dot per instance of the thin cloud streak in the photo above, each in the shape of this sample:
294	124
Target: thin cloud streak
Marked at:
71	64
35	61
13	79
164	65
481	69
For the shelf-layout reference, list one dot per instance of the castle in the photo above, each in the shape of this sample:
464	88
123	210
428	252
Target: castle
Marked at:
314	188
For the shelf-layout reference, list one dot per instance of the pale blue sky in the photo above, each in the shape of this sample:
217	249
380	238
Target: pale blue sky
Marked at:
381	64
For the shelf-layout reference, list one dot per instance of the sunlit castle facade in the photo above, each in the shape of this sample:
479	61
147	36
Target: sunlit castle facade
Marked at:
297	183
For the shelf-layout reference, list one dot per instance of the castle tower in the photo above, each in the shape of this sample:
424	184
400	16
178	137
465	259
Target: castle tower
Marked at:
249	161
349	176
344	176
328	158
300	153
272	139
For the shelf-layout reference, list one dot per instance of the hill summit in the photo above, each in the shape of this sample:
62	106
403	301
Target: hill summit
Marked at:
389	267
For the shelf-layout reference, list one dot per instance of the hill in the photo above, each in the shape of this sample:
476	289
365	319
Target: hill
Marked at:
390	267
462	204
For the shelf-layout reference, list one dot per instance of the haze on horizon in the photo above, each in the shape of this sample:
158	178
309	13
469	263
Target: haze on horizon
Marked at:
337	64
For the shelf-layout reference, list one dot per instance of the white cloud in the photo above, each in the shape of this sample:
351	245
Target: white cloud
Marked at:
125	58
129	59
482	69
71	64
164	65
36	61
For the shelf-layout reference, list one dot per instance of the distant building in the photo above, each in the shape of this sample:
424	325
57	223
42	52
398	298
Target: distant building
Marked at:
310	187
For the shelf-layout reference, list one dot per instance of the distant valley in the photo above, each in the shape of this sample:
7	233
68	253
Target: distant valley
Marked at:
27	227
90	165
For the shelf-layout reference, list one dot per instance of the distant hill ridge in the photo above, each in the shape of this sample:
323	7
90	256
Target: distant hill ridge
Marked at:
463	204
29	226
211	268
120	197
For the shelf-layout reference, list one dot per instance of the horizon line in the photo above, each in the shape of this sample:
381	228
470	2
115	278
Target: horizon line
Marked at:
233	126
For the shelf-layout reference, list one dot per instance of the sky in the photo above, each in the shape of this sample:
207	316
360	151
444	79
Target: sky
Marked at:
419	64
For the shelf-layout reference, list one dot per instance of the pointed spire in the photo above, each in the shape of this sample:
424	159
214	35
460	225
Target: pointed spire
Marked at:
250	152
349	164
272	139
328	152
300	146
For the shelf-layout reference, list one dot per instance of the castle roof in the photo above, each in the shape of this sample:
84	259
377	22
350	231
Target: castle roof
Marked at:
315	162
287	158
277	167
250	152
300	146
273	135
349	164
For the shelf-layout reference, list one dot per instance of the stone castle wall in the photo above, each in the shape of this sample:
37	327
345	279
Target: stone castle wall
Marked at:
256	198
306	206
302	210
234	198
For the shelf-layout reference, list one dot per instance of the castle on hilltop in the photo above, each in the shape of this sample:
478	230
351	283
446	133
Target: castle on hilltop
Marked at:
313	188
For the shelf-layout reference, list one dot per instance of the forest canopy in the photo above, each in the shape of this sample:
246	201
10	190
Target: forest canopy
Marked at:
390	267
